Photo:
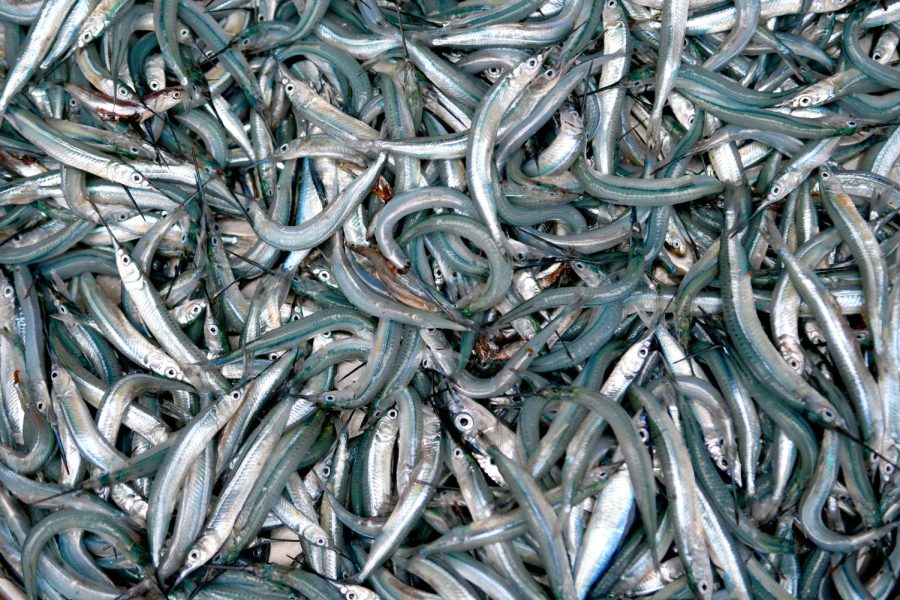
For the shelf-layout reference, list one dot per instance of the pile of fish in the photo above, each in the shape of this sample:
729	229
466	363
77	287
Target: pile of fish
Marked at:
418	299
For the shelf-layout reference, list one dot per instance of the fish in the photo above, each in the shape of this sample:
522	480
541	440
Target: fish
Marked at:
527	299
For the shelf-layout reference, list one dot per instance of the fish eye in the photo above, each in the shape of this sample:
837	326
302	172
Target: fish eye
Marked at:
494	70
195	309
86	36
578	265
261	18
126	260
324	276
236	394
458	453
391	414
329	398
8	291
826	175
827	414
463	422
73	103
351	595
54	374
642	352
532	62
703	587
184	33
245	42
776	190
805	100
549	73
170	372
284	147
176	94
851	123
194	555
137	177
213	330
289	88
326	471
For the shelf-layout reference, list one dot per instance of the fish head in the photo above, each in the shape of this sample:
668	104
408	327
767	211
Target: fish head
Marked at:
528	69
